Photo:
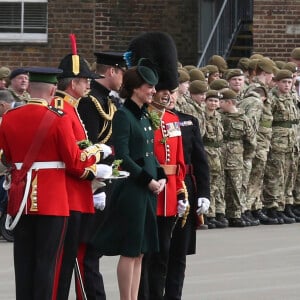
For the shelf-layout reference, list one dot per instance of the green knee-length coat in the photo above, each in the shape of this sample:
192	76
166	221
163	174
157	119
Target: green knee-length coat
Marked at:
131	228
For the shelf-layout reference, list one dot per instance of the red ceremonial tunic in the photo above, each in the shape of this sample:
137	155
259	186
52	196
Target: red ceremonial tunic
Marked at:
169	152
48	193
79	190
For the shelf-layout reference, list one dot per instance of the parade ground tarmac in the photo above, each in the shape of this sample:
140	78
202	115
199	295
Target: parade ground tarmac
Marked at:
261	263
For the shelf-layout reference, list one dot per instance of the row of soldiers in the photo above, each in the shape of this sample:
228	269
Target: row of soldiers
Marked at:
249	124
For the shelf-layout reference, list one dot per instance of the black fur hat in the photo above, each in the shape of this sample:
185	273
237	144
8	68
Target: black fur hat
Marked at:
160	48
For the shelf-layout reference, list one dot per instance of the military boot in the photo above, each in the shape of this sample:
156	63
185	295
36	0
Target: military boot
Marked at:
236	222
296	210
245	219
209	224
216	222
272	213
288	211
221	218
264	219
286	219
253	221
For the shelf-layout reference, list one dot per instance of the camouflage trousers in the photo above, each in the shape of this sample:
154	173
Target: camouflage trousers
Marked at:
217	201
255	184
277	181
247	166
233	185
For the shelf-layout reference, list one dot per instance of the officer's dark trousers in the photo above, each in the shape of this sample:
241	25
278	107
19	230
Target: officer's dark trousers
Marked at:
38	242
154	266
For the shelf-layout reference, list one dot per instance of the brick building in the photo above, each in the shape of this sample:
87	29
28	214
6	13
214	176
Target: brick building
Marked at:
110	24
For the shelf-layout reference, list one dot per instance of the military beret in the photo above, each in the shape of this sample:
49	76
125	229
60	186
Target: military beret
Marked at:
218	61
280	64
291	67
256	56
183	75
196	74
17	72
205	71
229	94
266	65
283	74
243	63
189	67
219	84
296	53
213	94
253	63
275	70
198	87
234	72
4	72
212	69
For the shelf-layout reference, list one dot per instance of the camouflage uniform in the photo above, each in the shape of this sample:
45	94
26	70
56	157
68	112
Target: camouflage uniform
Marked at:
253	107
280	160
212	141
239	144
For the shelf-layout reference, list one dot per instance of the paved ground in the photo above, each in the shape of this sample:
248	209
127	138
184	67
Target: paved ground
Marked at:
261	263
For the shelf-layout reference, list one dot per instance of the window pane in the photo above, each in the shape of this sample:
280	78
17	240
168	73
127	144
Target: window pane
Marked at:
10	17
35	17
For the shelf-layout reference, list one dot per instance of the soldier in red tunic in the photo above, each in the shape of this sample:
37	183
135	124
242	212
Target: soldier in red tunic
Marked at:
35	147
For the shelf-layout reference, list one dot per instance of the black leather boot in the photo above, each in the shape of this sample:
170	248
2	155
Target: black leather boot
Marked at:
288	211
264	219
236	222
221	218
253	221
272	213
286	219
216	222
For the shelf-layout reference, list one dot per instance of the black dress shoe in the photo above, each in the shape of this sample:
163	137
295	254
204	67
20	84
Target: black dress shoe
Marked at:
264	219
236	222
217	223
286	219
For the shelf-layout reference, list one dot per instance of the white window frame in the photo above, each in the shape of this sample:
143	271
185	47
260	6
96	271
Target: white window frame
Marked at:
24	37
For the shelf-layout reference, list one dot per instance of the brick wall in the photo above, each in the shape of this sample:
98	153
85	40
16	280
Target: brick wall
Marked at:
276	27
106	25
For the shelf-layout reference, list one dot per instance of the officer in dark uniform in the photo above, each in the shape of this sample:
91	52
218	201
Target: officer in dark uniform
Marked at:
96	111
183	241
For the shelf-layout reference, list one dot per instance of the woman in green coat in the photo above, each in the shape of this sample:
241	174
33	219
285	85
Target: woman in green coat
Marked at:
130	229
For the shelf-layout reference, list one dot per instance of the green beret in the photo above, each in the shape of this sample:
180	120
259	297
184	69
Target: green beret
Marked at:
291	67
196	74
266	65
219	84
280	64
218	61
213	94
283	74
252	64
229	94
212	69
275	70
183	76
243	63
205	71
4	72
296	54
234	72
198	87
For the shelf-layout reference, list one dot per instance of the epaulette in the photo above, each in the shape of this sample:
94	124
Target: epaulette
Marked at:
58	102
58	111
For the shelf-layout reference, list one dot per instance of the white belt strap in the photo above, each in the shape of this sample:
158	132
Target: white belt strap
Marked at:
43	165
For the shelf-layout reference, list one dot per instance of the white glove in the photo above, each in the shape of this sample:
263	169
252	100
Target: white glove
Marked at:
203	206
182	206
99	200
106	150
103	171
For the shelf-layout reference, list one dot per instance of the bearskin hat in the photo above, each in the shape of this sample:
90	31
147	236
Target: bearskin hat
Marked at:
160	48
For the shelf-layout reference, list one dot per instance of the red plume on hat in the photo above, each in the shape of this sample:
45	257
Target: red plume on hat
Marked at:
75	57
160	48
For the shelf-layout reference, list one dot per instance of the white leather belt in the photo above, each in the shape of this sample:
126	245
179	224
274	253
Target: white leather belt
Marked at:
43	165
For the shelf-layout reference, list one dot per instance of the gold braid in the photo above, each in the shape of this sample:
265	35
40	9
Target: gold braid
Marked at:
106	116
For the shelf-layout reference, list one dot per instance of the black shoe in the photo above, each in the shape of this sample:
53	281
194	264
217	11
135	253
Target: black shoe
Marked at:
253	221
264	219
272	213
221	218
236	222
286	219
288	211
217	223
